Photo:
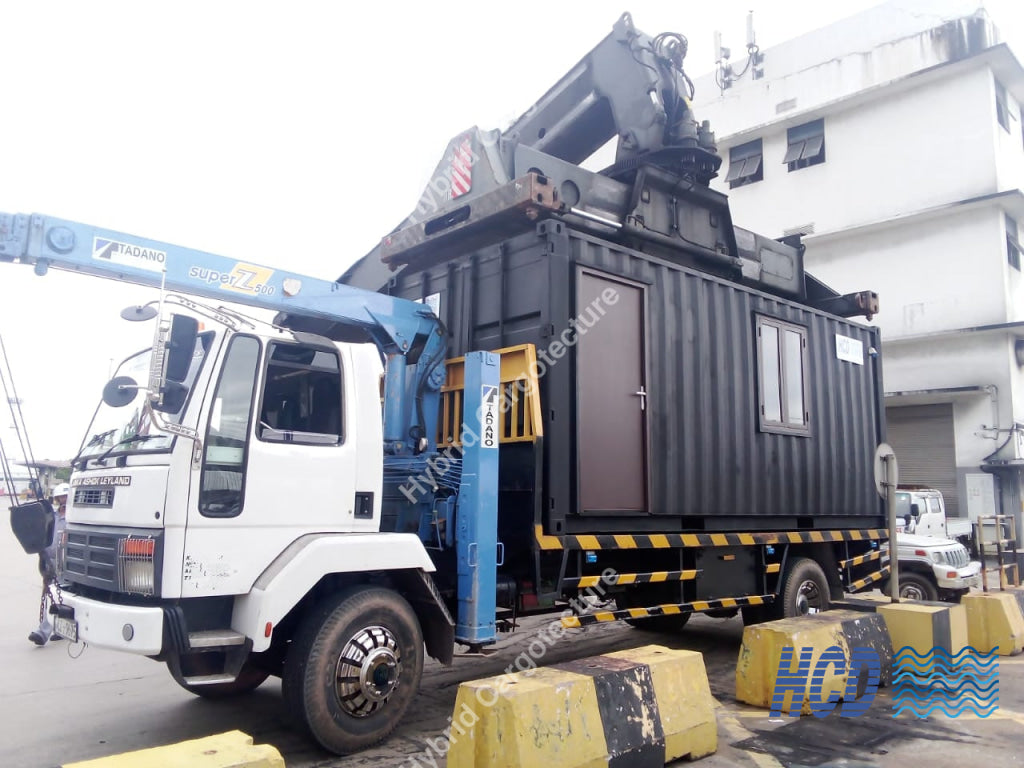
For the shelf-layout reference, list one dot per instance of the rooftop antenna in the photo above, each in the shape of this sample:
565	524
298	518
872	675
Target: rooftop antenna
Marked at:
756	57
724	74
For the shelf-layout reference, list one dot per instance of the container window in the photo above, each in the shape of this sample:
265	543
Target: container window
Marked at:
806	145
782	367
745	166
224	455
1002	109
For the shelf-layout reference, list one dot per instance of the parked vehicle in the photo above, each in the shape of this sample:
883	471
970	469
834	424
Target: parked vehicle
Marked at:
922	511
594	384
934	568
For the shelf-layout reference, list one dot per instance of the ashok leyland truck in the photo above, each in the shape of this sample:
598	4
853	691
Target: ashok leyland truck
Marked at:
591	380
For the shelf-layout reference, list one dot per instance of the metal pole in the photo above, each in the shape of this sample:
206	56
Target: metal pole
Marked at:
890	501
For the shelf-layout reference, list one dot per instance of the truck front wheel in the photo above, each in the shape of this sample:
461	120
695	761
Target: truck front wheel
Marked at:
914	586
353	668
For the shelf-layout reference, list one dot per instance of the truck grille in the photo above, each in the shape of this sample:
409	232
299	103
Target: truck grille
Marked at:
958	557
91	558
94	497
102	557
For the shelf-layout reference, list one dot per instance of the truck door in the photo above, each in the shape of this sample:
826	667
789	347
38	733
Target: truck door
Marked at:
612	396
935	517
276	463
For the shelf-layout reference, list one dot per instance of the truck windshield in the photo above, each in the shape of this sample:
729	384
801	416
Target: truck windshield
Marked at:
128	429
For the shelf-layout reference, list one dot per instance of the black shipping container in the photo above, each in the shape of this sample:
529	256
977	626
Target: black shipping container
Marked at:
673	400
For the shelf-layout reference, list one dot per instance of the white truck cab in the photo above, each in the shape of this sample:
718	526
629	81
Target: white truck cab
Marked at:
922	511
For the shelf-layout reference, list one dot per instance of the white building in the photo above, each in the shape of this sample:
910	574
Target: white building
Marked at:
892	141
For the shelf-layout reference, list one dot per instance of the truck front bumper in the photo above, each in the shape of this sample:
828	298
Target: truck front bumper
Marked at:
127	628
964	578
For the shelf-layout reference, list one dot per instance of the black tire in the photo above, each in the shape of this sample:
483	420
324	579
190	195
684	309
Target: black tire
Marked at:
805	590
345	708
647	598
914	586
249	679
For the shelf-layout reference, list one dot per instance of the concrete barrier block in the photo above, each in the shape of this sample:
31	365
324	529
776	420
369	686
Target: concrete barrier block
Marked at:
631	709
761	652
924	626
995	620
233	749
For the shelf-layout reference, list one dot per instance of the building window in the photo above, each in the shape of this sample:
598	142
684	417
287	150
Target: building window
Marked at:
745	166
1012	244
782	368
1002	110
806	145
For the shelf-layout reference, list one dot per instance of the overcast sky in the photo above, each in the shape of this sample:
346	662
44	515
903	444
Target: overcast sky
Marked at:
289	134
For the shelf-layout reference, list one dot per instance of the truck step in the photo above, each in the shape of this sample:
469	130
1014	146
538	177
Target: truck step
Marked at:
220	677
215	638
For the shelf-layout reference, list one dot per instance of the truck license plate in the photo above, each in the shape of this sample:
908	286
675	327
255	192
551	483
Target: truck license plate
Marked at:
66	628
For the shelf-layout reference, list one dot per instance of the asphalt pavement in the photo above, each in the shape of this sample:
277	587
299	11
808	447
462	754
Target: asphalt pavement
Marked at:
57	709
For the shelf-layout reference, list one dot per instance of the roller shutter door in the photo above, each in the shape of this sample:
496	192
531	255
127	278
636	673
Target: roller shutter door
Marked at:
922	437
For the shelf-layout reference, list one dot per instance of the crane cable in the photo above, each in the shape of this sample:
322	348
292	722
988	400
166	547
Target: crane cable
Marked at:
18	424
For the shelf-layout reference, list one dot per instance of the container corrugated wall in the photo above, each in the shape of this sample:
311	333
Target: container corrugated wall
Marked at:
710	466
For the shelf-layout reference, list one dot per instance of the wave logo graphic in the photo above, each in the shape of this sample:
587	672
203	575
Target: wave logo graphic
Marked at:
950	683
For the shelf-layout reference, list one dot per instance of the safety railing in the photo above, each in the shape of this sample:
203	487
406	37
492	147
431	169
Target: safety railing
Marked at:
519	398
1003	524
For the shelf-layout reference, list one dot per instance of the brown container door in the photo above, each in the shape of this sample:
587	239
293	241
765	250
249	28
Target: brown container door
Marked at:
612	398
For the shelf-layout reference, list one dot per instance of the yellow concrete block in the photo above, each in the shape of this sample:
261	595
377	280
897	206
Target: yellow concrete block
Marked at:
685	703
995	620
761	652
547	717
644	706
233	749
924	627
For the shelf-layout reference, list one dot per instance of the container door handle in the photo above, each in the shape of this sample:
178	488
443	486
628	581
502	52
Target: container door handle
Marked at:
642	394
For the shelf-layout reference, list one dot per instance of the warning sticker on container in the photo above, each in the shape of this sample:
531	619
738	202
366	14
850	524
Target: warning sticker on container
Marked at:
850	350
128	254
489	416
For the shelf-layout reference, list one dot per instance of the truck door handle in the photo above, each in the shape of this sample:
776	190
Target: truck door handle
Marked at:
642	394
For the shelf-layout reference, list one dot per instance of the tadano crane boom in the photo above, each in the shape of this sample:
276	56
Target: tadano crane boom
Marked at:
408	334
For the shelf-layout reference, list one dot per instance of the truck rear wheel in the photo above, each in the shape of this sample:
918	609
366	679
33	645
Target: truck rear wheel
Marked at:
806	589
353	668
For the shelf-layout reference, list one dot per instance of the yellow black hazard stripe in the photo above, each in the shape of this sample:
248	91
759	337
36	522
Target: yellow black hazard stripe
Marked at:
681	540
621	579
664	610
860	559
870	579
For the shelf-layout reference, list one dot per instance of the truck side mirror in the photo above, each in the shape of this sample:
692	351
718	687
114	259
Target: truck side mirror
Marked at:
180	347
120	391
915	509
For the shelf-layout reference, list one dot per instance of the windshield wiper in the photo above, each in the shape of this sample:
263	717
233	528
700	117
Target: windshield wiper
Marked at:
119	443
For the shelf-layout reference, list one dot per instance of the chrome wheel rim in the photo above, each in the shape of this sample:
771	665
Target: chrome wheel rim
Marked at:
368	671
808	597
911	592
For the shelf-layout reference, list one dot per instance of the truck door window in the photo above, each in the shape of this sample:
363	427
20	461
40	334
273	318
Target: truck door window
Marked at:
223	479
301	396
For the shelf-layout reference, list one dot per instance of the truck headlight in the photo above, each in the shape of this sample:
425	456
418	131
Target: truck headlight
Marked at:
136	566
938	557
62	543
